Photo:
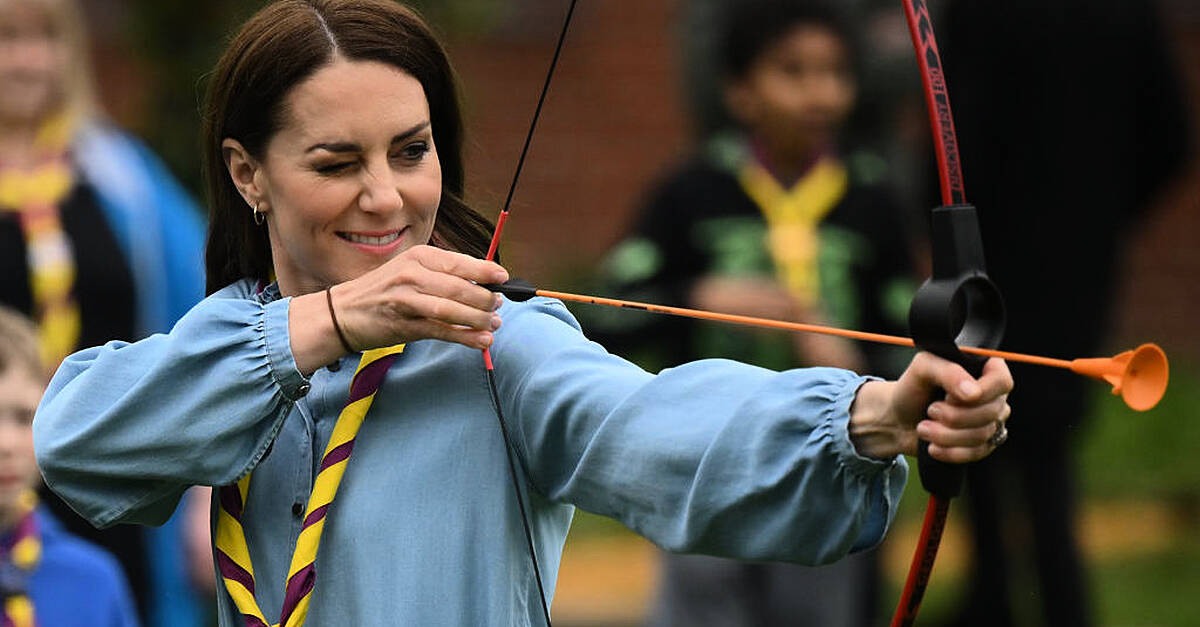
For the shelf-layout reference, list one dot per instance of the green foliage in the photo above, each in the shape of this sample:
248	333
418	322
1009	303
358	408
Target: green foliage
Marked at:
1155	590
177	44
1124	453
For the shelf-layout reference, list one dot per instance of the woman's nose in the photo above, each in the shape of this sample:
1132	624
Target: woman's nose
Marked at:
380	190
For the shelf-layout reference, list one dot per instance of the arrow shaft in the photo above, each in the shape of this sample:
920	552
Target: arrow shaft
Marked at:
791	326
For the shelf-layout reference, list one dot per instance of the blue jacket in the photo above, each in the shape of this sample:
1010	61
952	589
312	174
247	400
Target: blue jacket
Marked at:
714	456
77	584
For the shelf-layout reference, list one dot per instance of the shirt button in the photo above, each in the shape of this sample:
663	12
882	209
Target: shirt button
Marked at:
297	509
303	389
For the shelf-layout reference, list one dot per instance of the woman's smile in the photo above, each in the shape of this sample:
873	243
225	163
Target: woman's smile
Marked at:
374	242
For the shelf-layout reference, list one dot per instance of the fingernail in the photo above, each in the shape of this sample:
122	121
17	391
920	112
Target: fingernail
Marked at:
934	411
486	340
497	301
495	322
923	430
968	389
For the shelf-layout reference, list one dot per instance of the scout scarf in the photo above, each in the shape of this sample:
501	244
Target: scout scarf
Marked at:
34	194
792	217
21	551
233	554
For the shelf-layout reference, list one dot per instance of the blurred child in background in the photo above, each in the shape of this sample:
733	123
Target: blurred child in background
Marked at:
97	242
47	576
774	219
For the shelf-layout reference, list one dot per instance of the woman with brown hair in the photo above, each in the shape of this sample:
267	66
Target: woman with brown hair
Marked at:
332	144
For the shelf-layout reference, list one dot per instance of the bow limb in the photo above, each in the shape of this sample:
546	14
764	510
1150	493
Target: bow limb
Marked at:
958	305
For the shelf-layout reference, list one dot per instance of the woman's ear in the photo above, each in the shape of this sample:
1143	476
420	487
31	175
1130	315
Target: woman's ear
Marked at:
245	171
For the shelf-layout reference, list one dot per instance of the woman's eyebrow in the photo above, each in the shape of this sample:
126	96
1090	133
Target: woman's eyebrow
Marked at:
352	147
410	132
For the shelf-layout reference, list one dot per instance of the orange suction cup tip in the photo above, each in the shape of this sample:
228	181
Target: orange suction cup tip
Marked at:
1145	377
1139	376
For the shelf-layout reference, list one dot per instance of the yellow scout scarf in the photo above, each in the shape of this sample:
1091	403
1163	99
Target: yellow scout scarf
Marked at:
25	552
792	217
34	195
233	554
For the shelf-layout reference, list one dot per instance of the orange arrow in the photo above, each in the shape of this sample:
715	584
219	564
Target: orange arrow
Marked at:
1138	376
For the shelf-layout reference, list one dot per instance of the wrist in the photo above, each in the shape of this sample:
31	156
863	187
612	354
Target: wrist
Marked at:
313	338
337	328
874	429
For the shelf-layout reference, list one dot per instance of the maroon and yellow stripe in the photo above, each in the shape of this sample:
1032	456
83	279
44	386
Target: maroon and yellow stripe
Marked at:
233	553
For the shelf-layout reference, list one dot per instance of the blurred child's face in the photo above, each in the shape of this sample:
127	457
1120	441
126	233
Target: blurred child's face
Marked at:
32	60
796	94
20	392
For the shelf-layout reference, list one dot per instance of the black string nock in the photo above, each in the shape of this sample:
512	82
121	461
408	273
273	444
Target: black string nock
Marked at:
958	306
518	290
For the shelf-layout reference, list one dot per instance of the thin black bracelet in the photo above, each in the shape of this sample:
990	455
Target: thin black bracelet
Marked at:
336	327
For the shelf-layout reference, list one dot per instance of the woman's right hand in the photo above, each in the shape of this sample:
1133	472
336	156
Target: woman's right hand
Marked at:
422	293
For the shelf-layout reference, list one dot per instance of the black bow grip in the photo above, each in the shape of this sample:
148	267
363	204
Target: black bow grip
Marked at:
958	305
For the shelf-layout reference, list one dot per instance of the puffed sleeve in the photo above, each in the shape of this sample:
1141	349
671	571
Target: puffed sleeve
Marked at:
124	429
713	457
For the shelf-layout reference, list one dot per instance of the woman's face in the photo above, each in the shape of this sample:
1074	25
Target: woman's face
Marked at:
352	177
32	60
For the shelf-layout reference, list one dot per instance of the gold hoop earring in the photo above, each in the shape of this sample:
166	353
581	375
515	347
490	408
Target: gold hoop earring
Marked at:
259	216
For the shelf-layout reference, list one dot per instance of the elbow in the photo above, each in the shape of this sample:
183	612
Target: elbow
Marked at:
56	425
59	447
51	448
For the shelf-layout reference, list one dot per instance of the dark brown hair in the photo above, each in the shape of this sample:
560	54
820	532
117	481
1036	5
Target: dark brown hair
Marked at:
277	49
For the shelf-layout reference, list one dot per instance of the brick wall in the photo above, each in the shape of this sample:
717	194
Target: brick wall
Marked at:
611	123
1161	288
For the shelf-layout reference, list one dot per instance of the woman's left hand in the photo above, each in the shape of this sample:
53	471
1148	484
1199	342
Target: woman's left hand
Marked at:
888	417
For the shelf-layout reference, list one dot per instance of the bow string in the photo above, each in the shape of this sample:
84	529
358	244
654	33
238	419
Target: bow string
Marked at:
487	354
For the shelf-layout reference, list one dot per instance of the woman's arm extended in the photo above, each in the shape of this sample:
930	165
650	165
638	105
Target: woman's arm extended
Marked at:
720	457
713	457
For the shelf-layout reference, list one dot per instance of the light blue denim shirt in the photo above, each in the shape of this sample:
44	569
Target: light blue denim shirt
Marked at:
715	457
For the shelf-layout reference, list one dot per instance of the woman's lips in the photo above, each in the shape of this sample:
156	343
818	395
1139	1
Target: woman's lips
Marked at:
374	242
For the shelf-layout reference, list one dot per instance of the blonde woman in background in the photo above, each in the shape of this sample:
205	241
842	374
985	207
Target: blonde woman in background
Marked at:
97	242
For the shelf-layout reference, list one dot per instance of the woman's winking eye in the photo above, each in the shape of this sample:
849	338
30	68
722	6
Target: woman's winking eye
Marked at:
409	154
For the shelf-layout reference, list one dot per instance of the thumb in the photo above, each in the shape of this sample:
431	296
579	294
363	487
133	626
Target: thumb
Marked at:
958	384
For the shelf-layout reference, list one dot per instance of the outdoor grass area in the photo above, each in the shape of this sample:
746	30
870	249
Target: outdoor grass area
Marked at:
1151	458
1139	526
